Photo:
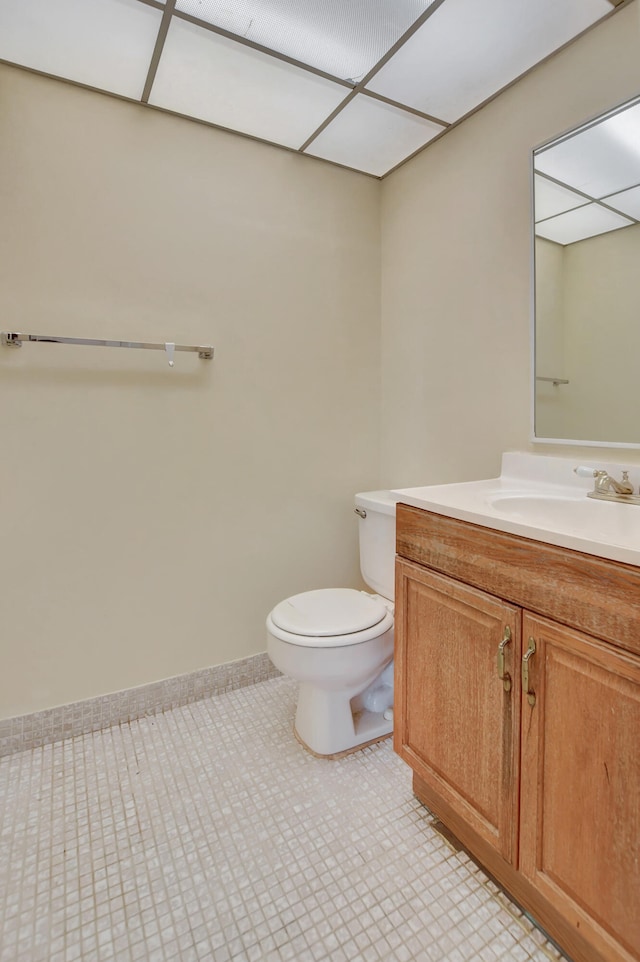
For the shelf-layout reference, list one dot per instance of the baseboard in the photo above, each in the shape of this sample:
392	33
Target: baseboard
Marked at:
54	724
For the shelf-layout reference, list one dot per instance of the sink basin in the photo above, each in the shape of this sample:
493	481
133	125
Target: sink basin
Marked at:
541	508
601	522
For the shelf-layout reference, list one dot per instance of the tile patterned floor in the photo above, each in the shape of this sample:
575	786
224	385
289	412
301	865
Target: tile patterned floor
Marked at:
208	833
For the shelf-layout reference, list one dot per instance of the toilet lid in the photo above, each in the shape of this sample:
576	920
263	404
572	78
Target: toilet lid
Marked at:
329	611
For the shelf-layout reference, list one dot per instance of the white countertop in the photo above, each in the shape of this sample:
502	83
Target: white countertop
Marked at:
541	498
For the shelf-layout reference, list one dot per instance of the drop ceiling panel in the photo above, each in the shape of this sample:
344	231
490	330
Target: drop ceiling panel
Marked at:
628	202
553	199
579	224
599	160
212	78
468	50
372	136
464	51
345	39
106	44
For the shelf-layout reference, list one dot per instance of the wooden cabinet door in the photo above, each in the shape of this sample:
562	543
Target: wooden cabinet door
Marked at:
580	784
455	723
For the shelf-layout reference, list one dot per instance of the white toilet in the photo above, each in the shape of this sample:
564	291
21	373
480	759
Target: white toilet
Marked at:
338	644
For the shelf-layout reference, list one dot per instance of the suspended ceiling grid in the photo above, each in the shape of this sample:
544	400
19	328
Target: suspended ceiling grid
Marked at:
588	181
360	83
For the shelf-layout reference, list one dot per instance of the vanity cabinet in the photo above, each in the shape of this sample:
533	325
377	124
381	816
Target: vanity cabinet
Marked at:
518	708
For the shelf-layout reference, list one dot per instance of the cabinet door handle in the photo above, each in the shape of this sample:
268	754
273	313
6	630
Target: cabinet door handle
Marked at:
503	675
531	650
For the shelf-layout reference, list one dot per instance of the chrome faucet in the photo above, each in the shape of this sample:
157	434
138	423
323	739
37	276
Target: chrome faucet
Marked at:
607	488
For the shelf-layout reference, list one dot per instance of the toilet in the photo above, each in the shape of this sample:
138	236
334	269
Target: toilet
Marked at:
337	643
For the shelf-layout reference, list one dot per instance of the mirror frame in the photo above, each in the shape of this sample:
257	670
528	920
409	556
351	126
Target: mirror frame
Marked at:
532	339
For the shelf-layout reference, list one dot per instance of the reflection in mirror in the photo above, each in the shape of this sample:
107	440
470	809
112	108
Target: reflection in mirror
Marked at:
587	282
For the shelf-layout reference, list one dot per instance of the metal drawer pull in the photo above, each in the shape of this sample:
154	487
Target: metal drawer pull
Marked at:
503	675
531	650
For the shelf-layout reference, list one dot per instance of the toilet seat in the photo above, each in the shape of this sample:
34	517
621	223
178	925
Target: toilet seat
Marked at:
331	617
328	611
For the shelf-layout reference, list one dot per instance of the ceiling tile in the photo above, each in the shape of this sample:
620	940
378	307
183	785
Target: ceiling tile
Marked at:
343	39
628	202
598	160
468	50
106	44
579	224
372	136
553	199
209	77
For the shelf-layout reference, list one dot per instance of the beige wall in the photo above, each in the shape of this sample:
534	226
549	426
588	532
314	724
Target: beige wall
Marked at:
596	292
456	254
150	518
550	282
550	400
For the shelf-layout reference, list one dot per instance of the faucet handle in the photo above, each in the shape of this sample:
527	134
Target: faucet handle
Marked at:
584	472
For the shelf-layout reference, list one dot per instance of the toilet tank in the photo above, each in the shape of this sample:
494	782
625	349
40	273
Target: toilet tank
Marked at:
377	531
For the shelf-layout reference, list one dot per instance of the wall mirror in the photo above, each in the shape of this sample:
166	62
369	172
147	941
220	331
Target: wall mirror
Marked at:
587	282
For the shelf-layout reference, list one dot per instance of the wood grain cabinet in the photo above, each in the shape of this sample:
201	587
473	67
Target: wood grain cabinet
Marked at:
518	708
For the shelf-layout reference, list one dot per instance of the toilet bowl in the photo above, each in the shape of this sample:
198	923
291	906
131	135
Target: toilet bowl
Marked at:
337	643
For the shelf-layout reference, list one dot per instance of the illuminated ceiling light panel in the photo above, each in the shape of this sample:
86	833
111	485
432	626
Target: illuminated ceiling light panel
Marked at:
468	50
343	39
554	199
627	202
228	84
106	44
599	160
579	224
372	136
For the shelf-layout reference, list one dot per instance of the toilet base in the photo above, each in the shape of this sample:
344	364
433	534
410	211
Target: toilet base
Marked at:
331	723
347	751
